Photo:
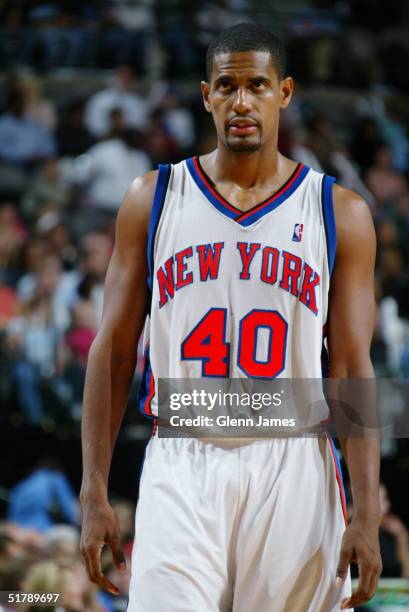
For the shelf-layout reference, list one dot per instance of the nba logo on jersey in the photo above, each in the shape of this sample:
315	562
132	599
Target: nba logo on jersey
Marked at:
298	229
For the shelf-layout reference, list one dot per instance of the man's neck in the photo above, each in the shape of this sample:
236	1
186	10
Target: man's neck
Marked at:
247	169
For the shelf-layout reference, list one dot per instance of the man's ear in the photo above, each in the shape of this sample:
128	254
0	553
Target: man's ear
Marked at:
205	87
286	91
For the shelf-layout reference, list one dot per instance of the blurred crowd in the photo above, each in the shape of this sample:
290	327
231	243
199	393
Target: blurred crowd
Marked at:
39	545
63	174
349	42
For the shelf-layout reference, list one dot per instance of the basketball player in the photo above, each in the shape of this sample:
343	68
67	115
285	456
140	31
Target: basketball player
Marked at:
247	254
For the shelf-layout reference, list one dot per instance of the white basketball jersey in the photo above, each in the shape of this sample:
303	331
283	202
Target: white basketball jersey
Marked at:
236	294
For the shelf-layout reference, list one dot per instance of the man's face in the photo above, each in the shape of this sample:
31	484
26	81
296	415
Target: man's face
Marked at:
244	96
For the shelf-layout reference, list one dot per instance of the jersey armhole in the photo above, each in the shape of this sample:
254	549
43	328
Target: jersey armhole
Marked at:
329	219
157	207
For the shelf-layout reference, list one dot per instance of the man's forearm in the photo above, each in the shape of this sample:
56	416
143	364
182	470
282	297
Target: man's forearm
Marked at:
362	459
106	390
361	450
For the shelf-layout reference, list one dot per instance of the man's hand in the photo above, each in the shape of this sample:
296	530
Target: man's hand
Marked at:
100	527
360	545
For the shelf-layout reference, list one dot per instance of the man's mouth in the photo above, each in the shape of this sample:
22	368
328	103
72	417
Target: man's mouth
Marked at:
242	127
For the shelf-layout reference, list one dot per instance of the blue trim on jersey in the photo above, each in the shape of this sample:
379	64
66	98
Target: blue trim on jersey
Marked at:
157	206
144	386
329	219
276	202
204	188
246	218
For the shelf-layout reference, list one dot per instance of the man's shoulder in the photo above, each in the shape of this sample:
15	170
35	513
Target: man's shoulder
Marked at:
350	207
135	210
141	193
143	187
353	219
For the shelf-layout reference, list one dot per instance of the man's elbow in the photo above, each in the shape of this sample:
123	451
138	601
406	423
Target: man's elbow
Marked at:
356	364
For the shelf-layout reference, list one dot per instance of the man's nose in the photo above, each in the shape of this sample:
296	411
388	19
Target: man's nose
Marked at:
241	103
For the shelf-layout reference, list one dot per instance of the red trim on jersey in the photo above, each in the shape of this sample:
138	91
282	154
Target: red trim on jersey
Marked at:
339	479
284	188
147	406
214	192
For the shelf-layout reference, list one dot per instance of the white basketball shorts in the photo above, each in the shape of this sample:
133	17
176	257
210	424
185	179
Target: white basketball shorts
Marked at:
241	526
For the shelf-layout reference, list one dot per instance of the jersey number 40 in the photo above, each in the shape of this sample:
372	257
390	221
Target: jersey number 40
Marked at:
207	343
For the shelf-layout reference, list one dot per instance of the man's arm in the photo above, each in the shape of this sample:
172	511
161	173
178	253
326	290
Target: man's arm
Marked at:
110	369
351	322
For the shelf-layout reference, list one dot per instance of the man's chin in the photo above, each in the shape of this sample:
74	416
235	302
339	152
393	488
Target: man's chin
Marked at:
243	145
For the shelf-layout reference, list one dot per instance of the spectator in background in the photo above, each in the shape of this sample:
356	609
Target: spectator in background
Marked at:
45	188
83	331
50	577
54	36
125	513
23	141
78	342
159	143
44	494
52	565
178	120
12	574
33	338
119	96
126	28
72	136
321	144
56	235
366	141
62	542
67	580
36	107
42	285
400	215
394	540
31	259
9	549
29	542
177	40
110	166
387	234
383	180
9	305
394	132
87	280
394	272
391	270
12	236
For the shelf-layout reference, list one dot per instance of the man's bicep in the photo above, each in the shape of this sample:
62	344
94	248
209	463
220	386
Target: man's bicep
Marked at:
352	304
